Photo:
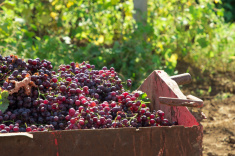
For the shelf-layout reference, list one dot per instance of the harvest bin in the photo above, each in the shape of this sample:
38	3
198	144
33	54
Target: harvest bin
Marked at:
164	93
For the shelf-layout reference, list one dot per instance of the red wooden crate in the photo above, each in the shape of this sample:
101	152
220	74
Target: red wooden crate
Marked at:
182	140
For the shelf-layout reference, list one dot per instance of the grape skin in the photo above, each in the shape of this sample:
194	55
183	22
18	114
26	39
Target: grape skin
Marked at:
75	97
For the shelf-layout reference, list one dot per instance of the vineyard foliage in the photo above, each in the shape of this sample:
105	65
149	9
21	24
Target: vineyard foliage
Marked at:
229	9
105	33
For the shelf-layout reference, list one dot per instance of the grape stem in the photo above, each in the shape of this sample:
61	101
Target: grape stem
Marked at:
131	118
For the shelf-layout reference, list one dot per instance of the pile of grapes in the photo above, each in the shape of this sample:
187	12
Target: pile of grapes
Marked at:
75	97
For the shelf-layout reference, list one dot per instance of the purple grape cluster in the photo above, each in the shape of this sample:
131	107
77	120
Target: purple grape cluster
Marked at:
75	97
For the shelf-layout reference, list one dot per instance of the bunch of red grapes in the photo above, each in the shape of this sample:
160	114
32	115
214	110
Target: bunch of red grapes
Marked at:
75	97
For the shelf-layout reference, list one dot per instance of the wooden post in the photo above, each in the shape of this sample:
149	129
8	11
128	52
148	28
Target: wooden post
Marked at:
140	7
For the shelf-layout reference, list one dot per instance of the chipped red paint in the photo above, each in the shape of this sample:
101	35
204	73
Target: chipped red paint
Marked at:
56	143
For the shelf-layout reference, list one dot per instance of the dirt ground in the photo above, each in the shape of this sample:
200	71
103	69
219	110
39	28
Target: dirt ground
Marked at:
218	93
219	127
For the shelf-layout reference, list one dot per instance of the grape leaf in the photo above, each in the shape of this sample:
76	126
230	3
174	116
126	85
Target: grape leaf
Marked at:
4	102
59	79
144	96
4	94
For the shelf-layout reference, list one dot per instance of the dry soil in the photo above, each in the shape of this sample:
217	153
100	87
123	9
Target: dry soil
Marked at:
219	127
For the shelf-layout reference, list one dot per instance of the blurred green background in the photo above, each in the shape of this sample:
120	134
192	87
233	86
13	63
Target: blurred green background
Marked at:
196	34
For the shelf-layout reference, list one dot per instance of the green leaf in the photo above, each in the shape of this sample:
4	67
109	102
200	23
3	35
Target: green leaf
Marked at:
34	27
4	102
59	79
4	94
9	4
191	9
143	96
209	89
203	42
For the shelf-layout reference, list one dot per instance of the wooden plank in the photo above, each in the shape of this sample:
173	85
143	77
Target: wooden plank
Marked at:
182	79
181	102
150	141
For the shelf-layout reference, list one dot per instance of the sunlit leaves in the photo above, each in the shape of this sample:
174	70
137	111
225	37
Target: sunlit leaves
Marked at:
4	102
